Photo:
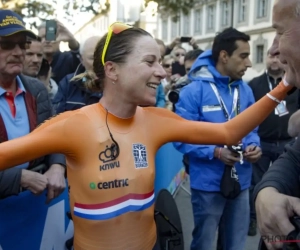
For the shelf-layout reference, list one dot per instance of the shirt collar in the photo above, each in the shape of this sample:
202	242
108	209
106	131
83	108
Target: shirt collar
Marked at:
19	85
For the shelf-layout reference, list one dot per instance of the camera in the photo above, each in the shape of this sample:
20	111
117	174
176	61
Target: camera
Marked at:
236	148
173	95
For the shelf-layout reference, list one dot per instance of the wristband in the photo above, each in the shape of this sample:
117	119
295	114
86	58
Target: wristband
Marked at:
273	98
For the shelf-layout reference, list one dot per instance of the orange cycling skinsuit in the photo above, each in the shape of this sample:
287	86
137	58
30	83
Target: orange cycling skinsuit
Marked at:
112	201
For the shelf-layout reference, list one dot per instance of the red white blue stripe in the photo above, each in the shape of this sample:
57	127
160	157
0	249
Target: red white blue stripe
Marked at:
114	208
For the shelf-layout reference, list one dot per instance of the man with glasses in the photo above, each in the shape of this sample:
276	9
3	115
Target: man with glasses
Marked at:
24	104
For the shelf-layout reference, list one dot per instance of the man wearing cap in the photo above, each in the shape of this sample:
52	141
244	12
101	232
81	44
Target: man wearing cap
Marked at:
24	104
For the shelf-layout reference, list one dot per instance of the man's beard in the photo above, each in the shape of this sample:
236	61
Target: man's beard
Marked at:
275	72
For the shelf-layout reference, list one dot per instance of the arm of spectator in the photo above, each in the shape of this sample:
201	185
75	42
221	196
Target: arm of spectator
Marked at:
10	182
170	47
65	35
59	101
294	124
194	44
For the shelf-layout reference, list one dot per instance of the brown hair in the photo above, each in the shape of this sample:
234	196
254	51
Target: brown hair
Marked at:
120	46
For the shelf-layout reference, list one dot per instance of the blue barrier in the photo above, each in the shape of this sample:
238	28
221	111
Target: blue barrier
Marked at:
169	168
28	223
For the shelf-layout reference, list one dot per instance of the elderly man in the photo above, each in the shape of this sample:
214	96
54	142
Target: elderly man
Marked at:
24	104
72	93
276	194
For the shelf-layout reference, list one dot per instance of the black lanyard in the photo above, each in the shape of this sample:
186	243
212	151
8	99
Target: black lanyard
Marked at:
238	105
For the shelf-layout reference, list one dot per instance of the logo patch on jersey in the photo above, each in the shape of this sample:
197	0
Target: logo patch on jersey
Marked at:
108	154
139	155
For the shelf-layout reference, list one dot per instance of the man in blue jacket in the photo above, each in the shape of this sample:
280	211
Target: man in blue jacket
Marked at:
216	94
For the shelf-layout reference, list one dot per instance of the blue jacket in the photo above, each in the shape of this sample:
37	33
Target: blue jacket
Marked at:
72	95
64	63
195	103
160	97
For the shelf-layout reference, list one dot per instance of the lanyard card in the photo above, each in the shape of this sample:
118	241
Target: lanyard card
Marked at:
281	109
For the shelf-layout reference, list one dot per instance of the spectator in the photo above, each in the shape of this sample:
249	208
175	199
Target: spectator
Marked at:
62	63
167	63
33	59
277	195
216	94
33	107
177	42
177	67
36	66
273	131
72	93
189	60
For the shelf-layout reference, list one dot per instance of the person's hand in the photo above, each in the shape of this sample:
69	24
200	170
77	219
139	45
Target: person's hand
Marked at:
273	211
56	181
252	153
193	43
35	182
175	42
174	78
226	156
63	34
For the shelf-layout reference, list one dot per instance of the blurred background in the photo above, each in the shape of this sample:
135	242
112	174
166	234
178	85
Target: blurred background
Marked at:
164	19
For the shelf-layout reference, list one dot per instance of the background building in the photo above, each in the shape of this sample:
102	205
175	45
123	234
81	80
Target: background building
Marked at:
131	12
211	16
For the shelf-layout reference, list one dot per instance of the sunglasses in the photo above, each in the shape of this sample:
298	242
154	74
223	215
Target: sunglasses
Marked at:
8	45
167	65
178	54
115	28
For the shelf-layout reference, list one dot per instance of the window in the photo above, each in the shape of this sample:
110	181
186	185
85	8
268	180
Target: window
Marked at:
198	21
242	11
174	30
164	30
260	54
211	17
186	25
225	13
262	8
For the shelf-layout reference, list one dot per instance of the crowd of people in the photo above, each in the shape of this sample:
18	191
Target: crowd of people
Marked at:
102	91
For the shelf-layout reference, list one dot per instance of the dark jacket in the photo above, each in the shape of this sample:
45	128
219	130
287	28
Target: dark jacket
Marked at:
284	174
273	128
39	109
64	63
72	95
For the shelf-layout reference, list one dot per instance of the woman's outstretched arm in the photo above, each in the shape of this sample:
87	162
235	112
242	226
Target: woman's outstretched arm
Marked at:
48	138
176	129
